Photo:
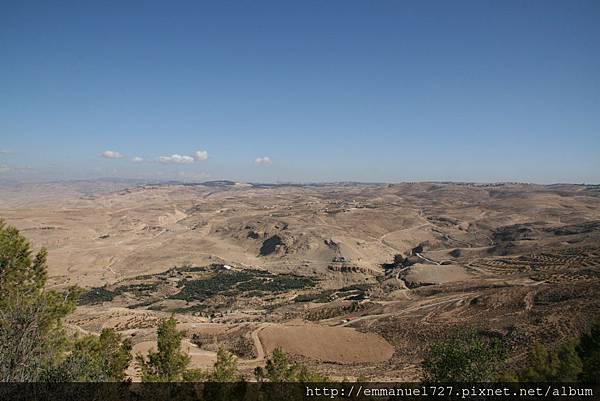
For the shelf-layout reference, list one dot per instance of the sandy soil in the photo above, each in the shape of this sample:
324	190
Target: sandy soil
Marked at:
521	262
421	274
327	344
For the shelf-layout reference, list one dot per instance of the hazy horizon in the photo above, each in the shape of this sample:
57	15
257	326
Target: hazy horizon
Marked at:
301	92
135	180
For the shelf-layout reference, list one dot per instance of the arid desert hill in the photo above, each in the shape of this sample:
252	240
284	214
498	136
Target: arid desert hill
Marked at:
353	279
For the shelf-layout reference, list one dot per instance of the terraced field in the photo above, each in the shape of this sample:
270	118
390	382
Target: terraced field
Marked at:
351	279
570	264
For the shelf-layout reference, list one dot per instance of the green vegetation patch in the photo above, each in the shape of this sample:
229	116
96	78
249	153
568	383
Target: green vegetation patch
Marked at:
137	289
276	284
96	296
355	292
191	269
199	290
211	282
232	283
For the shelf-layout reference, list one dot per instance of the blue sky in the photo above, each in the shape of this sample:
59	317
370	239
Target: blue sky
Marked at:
324	90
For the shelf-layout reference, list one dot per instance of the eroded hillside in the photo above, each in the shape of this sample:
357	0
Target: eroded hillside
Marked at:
353	279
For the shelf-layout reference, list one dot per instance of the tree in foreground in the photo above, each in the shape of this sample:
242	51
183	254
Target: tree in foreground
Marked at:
469	360
168	363
589	352
225	368
32	339
279	369
561	365
103	358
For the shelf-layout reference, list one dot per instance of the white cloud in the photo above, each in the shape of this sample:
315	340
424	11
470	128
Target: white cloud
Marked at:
201	155
176	159
4	168
265	161
6	152
137	159
111	154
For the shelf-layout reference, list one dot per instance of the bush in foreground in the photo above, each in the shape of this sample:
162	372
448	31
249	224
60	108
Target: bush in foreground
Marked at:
469	360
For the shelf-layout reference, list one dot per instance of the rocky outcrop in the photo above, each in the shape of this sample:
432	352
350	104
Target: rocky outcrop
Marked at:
515	232
331	244
347	269
273	245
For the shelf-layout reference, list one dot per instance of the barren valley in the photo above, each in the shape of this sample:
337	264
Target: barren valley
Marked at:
351	279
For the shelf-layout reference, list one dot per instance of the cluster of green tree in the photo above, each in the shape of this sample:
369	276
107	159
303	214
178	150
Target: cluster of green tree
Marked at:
33	342
279	369
220	283
96	296
573	361
169	364
102	294
231	283
279	283
103	358
470	359
34	345
354	291
474	359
